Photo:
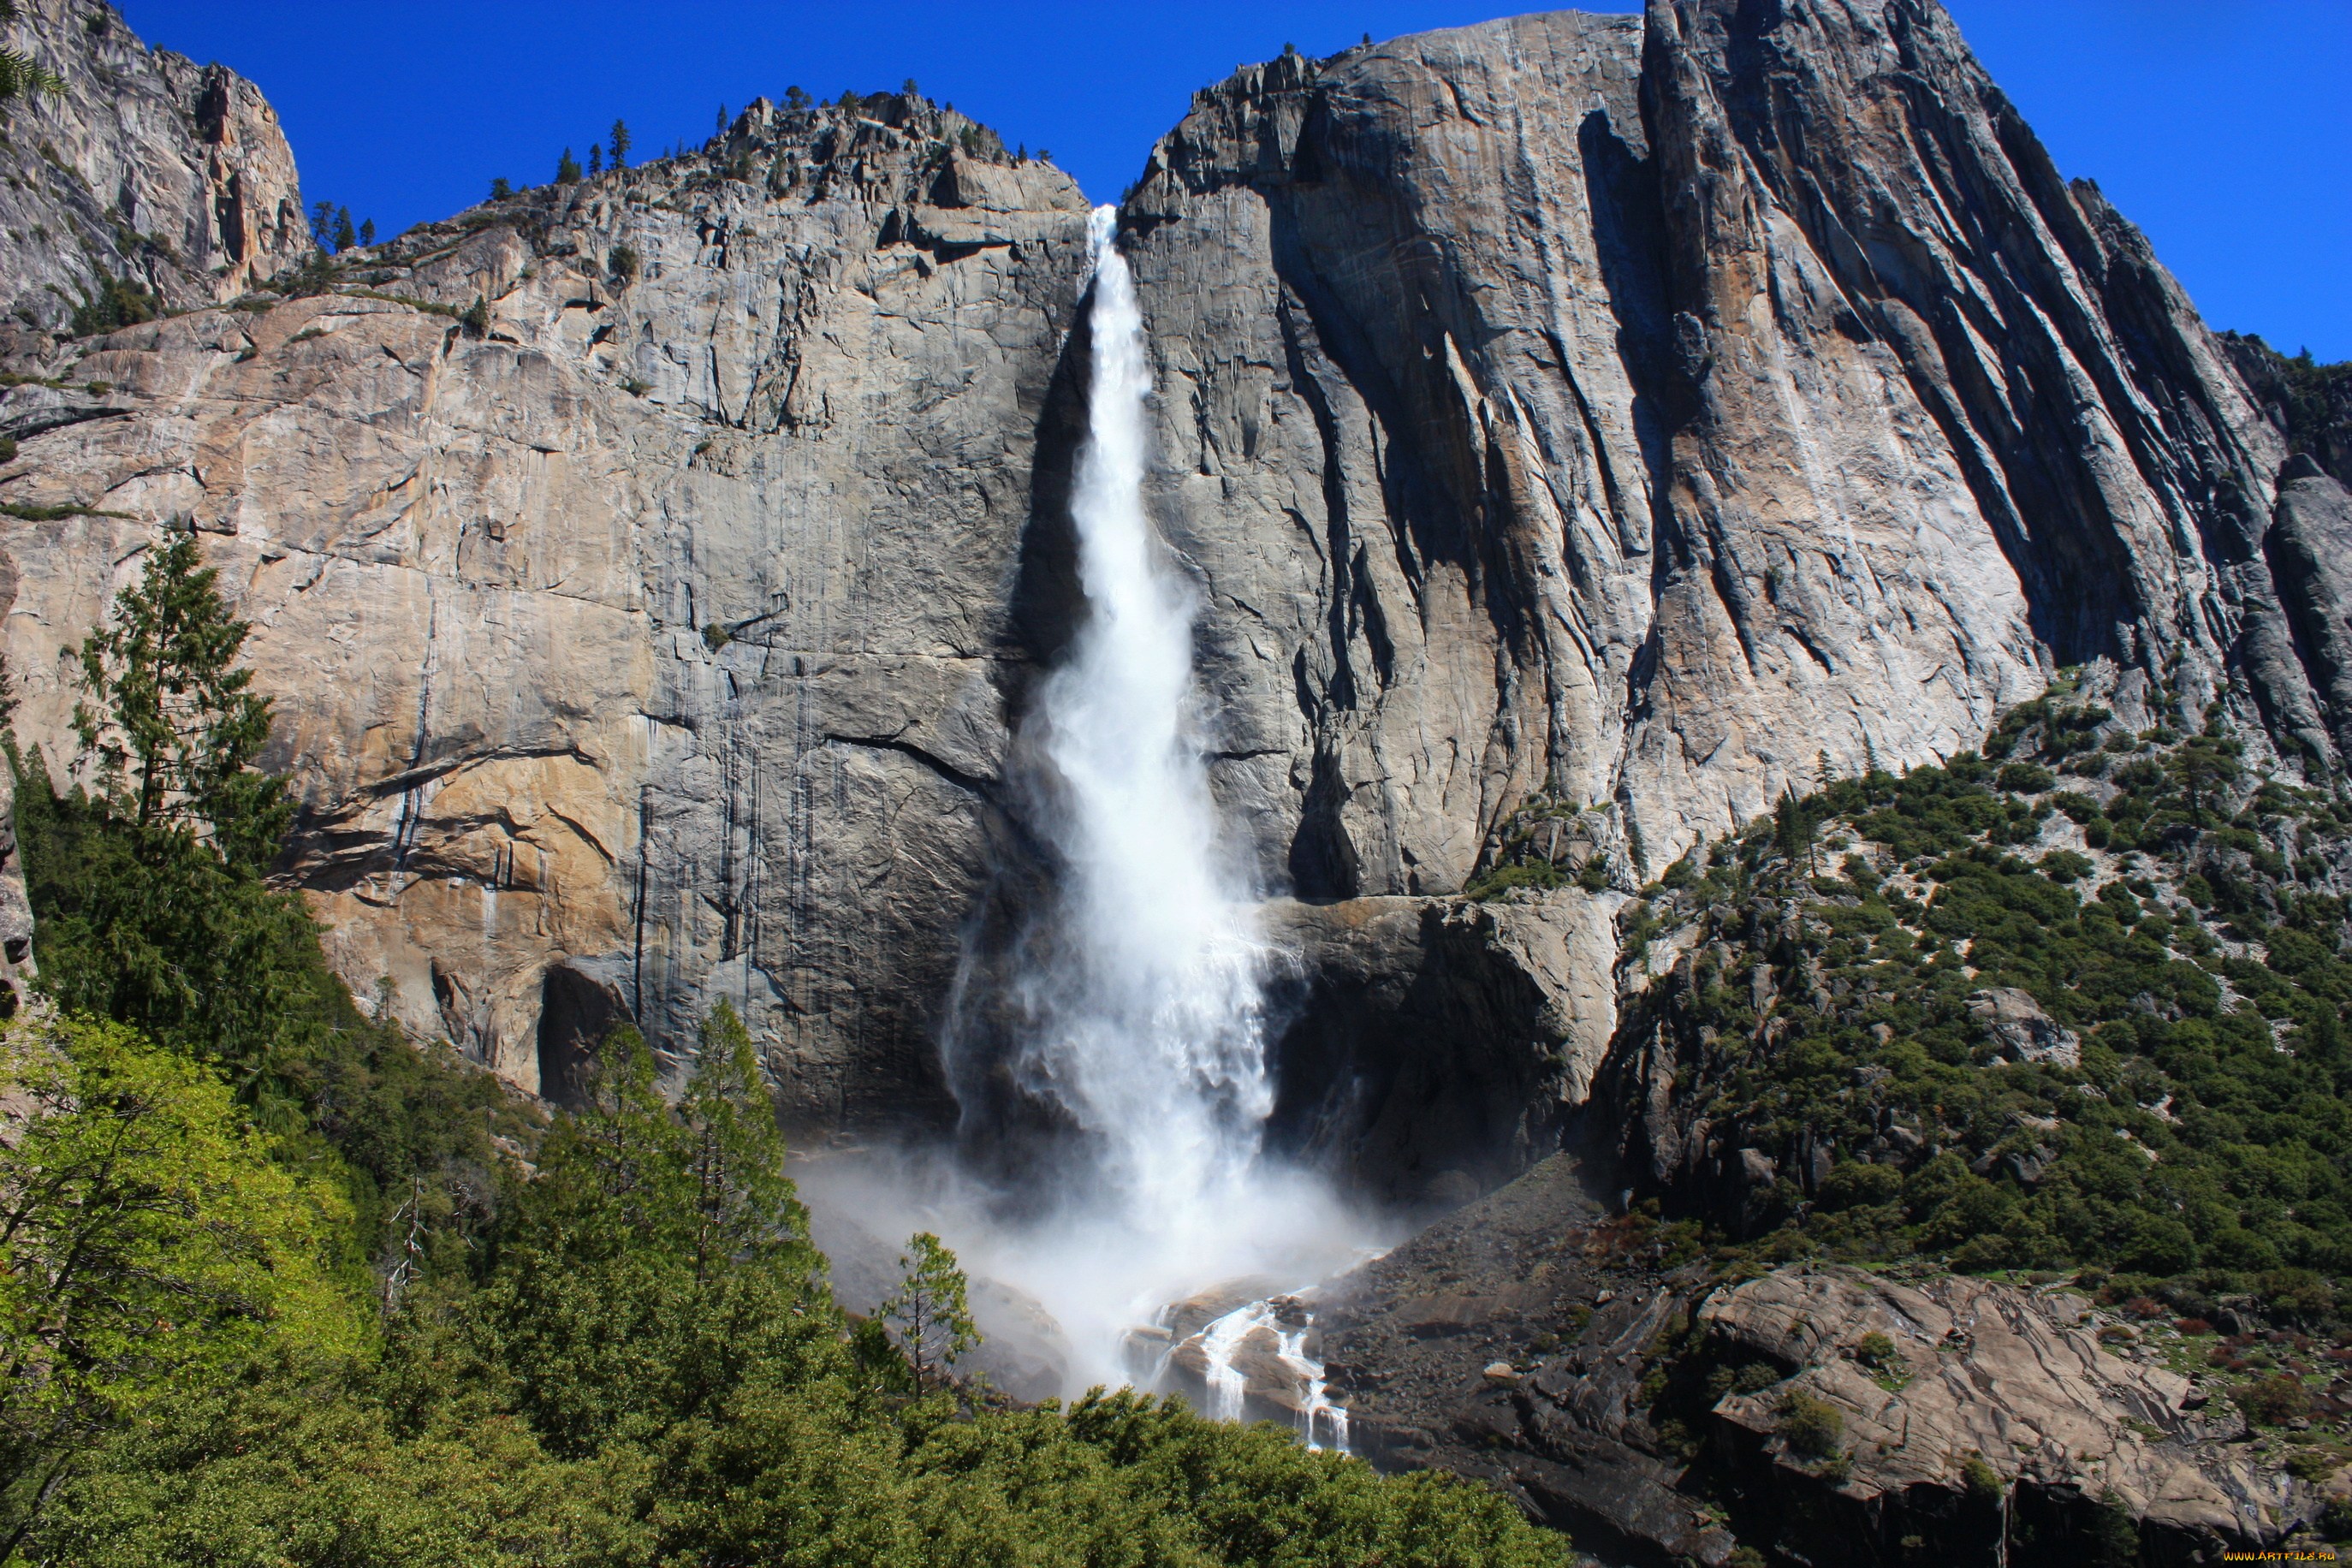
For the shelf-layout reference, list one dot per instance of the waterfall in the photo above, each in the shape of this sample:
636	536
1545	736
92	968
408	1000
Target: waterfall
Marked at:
1129	1000
1146	1012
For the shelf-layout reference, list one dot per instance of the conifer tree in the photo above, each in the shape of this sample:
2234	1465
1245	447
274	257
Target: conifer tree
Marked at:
935	1325
501	188
346	236
567	169
170	726
595	161
322	224
367	233
620	145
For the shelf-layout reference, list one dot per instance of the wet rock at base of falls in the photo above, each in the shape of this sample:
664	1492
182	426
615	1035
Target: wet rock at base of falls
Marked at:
1409	1339
1198	1310
1272	1388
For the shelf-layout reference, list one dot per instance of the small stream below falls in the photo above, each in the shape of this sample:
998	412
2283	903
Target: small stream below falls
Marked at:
1278	1329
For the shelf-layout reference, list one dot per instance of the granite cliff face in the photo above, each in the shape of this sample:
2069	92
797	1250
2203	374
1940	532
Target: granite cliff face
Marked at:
148	168
649	572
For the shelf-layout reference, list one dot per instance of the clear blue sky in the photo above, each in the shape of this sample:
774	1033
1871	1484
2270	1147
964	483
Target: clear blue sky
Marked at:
2224	128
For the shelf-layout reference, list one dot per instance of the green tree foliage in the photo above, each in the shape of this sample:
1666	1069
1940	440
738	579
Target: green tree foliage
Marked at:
596	160
346	236
2204	1139
618	144
150	910
367	232
933	1321
501	188
113	303
645	1369
148	1243
659	1254
20	74
170	724
567	169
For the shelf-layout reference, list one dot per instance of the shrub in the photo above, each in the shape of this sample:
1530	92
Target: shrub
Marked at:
623	264
2065	866
2312	1466
1873	1350
1809	1425
2026	778
1983	1482
2274	1401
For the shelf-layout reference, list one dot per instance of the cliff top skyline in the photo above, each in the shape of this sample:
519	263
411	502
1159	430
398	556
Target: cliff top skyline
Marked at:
2209	125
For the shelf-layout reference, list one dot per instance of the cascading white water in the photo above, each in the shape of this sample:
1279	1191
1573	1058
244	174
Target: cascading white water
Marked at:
1147	1021
1137	997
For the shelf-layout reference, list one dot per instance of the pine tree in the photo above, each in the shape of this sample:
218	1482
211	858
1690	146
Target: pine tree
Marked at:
721	130
935	1325
171	725
19	74
620	145
595	161
346	236
501	188
796	99
567	169
322	224
367	233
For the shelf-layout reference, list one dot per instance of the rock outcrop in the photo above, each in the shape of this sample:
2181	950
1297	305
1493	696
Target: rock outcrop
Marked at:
1535	1342
2058	1427
148	169
1648	412
637	640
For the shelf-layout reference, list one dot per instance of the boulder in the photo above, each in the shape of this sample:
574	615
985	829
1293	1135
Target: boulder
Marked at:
2016	1023
1980	1372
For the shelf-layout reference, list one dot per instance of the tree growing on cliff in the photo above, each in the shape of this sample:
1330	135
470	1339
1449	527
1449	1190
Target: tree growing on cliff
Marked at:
170	724
620	142
934	1323
567	169
147	884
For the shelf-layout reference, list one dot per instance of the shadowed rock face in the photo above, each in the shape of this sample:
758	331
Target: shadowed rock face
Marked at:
1664	407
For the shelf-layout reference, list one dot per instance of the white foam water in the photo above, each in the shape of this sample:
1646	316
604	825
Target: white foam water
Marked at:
1147	1019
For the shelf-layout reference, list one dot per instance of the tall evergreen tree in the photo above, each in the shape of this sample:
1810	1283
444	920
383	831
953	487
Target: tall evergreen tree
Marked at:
620	144
567	169
346	236
171	725
595	161
367	232
934	1323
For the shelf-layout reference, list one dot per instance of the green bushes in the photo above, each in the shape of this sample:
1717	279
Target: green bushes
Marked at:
1811	1425
2206	1130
